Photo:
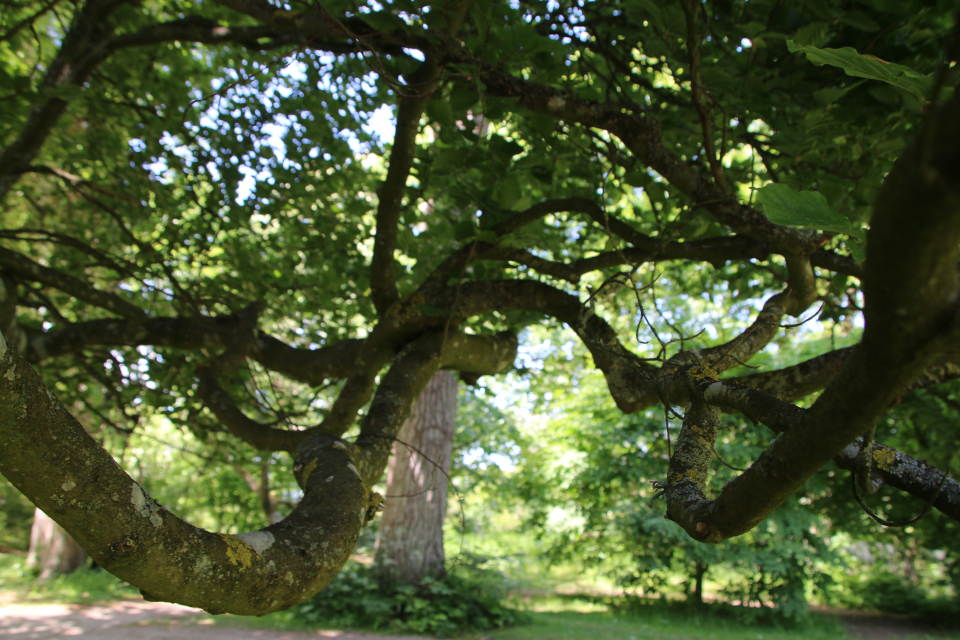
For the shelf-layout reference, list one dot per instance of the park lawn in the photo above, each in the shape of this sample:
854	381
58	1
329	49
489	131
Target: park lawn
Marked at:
550	617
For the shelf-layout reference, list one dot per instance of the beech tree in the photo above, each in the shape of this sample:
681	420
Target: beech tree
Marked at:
275	222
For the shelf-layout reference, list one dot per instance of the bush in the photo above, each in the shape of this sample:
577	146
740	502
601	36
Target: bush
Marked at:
891	593
468	599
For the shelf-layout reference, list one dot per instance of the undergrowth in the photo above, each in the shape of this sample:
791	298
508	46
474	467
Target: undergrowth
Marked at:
466	600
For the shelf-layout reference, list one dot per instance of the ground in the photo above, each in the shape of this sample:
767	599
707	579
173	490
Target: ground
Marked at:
138	620
133	620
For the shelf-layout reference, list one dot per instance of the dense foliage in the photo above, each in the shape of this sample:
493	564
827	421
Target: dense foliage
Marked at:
469	599
269	226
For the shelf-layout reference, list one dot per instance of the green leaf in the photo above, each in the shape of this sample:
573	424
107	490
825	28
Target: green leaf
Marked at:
812	34
801	209
383	21
508	192
861	66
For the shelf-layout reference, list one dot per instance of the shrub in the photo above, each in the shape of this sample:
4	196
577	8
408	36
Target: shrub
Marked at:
470	598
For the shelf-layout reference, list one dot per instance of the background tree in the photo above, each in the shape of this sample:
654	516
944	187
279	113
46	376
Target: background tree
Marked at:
202	224
52	550
410	537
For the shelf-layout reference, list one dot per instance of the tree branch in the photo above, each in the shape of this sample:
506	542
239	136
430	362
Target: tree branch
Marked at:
78	57
911	317
132	536
23	268
383	276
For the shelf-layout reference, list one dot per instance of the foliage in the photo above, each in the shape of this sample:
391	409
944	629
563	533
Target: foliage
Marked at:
468	599
16	518
233	229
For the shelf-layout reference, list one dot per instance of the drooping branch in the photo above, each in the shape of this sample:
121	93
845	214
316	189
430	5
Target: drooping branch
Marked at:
706	520
911	318
685	490
52	460
900	471
470	354
630	379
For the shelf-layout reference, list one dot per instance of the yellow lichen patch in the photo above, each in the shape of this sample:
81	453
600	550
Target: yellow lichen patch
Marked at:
700	431
239	553
308	470
703	372
690	474
406	308
884	458
375	504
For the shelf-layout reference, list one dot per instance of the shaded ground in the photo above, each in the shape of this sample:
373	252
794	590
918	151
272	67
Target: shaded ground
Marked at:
882	626
133	620
138	620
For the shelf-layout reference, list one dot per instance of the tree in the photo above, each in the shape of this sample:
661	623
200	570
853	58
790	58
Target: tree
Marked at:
52	550
410	538
202	222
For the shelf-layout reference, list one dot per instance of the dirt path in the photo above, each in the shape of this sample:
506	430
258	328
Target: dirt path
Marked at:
138	620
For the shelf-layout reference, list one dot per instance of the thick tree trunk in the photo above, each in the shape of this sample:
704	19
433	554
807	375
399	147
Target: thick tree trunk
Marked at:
52	550
410	543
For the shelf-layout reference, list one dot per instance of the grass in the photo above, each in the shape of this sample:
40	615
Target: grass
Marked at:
562	619
551	617
570	619
84	586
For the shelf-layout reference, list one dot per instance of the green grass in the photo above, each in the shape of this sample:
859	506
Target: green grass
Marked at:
84	586
584	620
551	617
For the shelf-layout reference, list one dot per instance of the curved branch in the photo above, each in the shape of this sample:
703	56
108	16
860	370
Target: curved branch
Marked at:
725	356
630	379
409	374
136	539
792	383
911	317
888	466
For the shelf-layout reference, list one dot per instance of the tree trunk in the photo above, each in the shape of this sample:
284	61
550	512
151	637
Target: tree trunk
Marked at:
410	542
52	550
700	570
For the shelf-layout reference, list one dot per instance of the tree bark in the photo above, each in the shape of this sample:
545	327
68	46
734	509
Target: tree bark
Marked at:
410	542
52	550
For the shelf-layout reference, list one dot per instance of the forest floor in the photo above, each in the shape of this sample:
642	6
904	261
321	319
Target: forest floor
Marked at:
139	620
